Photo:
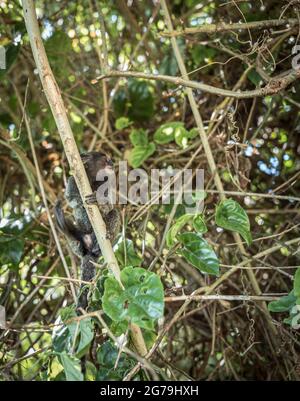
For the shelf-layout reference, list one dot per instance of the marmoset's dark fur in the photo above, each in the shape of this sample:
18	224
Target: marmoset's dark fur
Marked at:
80	232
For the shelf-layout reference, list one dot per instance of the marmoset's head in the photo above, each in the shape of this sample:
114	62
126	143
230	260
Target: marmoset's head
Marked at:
94	162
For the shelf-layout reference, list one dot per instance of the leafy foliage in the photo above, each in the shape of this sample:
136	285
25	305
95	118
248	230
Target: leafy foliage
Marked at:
198	224
199	253
113	366
231	216
74	335
174	131
254	144
136	101
142	149
141	301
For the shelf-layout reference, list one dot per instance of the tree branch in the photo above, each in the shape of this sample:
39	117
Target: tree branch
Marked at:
223	27
276	84
55	101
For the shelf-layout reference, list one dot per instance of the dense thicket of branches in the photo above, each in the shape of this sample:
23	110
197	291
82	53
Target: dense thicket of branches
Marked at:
254	143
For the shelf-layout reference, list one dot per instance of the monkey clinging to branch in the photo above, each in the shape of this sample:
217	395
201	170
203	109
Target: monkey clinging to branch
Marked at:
80	232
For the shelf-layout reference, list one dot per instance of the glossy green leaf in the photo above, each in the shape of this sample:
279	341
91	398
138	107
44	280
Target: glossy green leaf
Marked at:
122	122
283	304
126	254
141	301
231	216
71	366
199	253
139	154
174	131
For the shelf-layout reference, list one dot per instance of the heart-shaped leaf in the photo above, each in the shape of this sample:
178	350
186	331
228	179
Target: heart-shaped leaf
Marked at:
231	216
199	253
141	301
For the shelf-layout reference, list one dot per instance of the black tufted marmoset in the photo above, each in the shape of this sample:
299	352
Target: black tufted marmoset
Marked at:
80	232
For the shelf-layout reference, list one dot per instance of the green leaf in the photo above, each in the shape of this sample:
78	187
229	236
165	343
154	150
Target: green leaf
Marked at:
174	131
193	133
254	77
167	132
107	356
141	300
168	65
71	366
181	137
136	101
283	304
231	216
12	231
199	224
67	313
119	328
11	251
61	339
297	283
122	122
11	54
58	48
80	333
86	330
199	253
202	54
139	154
173	231
139	137
150	337
126	254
